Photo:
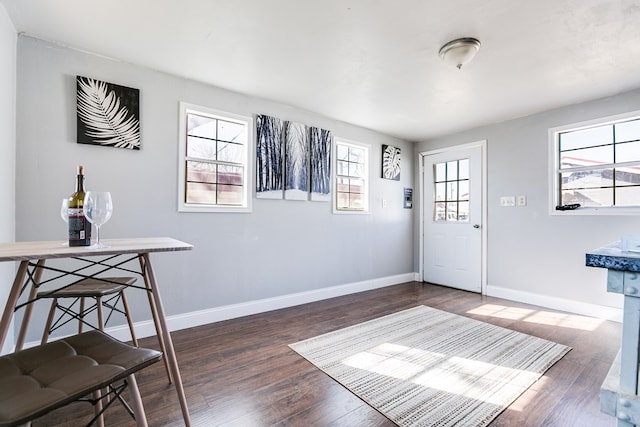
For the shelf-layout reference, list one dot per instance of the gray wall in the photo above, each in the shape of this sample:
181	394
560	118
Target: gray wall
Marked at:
7	148
529	250
283	247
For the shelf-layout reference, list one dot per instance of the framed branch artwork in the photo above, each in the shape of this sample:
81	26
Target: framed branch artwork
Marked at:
320	141
391	162
293	160
107	114
270	156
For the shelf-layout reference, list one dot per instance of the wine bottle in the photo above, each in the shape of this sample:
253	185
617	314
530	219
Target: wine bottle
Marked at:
79	227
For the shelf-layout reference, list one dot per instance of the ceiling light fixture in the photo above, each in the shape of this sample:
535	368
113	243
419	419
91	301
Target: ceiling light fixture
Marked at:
459	52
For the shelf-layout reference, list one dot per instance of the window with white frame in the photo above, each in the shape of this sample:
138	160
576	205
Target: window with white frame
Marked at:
352	177
215	167
597	164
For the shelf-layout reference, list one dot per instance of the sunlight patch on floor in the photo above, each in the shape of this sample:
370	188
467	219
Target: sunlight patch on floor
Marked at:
501	311
564	320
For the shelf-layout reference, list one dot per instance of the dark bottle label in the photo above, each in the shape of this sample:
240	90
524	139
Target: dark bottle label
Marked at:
79	228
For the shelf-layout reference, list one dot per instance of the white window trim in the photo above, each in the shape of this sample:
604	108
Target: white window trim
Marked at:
367	175
554	166
182	149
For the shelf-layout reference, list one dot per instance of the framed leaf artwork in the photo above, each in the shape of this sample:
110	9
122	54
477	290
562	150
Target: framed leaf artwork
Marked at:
390	162
108	114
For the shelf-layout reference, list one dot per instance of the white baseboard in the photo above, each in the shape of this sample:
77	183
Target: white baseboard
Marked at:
226	312
232	311
571	306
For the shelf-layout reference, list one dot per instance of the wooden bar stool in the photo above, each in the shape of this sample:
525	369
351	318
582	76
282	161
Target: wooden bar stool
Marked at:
40	379
105	292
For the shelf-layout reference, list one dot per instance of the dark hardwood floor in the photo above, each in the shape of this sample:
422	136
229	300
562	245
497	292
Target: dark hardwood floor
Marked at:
241	372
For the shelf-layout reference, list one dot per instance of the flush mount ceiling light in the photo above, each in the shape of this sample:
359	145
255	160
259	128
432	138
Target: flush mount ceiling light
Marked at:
459	52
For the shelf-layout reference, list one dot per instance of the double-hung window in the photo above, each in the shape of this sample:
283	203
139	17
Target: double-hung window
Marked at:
597	165
215	166
352	177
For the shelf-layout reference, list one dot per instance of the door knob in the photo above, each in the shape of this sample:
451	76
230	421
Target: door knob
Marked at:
476	225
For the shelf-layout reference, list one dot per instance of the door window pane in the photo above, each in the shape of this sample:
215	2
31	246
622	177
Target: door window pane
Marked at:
451	191
440	172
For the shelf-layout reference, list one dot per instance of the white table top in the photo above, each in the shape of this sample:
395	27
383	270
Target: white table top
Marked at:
20	251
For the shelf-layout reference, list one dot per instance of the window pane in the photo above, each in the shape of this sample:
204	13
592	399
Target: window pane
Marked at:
356	186
463	172
342	152
628	175
342	200
452	190
628	196
589	197
587	179
587	157
440	191
452	171
586	138
628	152
439	212
342	185
232	132
356	155
628	131
201	148
201	126
440	170
201	172
452	211
356	201
463	211
356	169
201	193
230	174
343	168
229	152
230	194
463	190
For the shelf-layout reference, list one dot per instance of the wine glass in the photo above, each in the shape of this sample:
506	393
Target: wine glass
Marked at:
64	213
97	207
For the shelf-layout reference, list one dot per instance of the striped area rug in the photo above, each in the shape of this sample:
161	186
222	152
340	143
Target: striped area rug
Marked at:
427	367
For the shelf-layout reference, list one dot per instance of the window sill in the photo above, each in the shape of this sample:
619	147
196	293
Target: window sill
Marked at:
601	211
214	209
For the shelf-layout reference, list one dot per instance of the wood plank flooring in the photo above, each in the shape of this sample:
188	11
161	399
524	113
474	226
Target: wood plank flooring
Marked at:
240	372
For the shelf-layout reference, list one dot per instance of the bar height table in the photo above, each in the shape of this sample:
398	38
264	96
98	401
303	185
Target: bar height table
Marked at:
32	256
619	392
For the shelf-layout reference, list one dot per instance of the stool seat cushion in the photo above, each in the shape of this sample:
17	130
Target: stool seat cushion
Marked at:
39	379
90	288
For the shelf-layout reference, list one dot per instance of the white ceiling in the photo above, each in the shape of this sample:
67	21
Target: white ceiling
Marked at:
373	63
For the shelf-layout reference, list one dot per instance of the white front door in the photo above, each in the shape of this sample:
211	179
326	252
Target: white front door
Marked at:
453	217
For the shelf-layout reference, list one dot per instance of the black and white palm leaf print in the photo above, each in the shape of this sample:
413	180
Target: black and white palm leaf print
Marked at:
108	114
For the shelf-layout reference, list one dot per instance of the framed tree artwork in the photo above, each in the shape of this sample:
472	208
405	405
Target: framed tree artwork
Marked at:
293	160
107	114
270	156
